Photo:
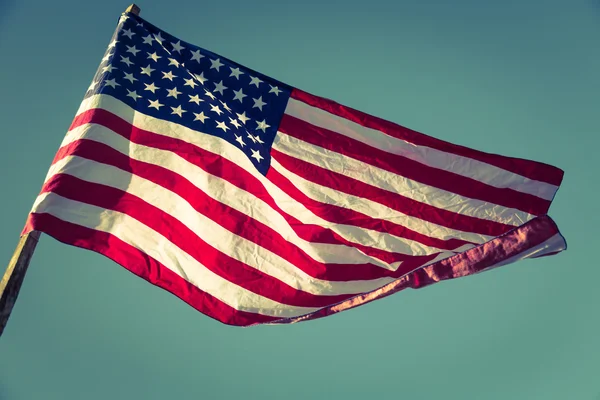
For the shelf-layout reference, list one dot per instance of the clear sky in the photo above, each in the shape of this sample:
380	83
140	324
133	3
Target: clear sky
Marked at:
519	78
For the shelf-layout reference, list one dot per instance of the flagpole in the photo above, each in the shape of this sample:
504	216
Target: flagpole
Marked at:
134	9
14	275
19	262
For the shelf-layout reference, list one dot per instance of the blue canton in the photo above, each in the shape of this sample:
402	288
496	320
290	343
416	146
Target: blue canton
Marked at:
164	77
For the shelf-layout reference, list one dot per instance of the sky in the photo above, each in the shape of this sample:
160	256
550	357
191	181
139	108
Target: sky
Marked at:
517	78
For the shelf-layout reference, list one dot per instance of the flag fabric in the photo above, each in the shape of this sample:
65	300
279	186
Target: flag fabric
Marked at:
256	202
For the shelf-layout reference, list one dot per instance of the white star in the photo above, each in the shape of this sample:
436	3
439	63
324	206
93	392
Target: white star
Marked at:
113	43
132	50
107	57
129	77
216	109
169	75
240	140
155	104
112	83
234	122
209	94
221	125
174	62
126	61
93	85
255	81
133	95
148	40
147	70
242	117
200	117
178	111
195	99
196	56
275	89
216	64
258	139
173	92
235	72
262	125
151	87
190	82
225	106
239	95
256	155
109	68
258	103
154	56
200	78
251	138
128	33
177	47
219	87
159	38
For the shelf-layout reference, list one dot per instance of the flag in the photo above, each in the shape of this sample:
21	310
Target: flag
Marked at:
256	202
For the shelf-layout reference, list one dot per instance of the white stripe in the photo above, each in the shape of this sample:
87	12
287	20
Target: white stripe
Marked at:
160	248
459	165
389	181
226	193
208	230
365	206
216	145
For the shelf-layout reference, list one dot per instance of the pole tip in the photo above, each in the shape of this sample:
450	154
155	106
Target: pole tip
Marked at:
134	9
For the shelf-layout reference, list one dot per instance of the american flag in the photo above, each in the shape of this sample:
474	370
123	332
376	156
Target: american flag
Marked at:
256	202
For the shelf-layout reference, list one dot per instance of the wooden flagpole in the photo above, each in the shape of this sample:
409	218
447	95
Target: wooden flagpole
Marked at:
134	9
17	266
14	275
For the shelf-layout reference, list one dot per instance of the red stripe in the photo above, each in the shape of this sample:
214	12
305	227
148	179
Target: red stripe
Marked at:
410	169
485	256
142	265
181	236
338	214
392	200
466	263
527	168
232	219
317	234
220	166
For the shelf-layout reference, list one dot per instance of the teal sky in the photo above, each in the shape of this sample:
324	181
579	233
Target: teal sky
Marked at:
518	78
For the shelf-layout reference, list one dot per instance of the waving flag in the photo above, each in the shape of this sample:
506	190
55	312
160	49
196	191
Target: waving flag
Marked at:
256	202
